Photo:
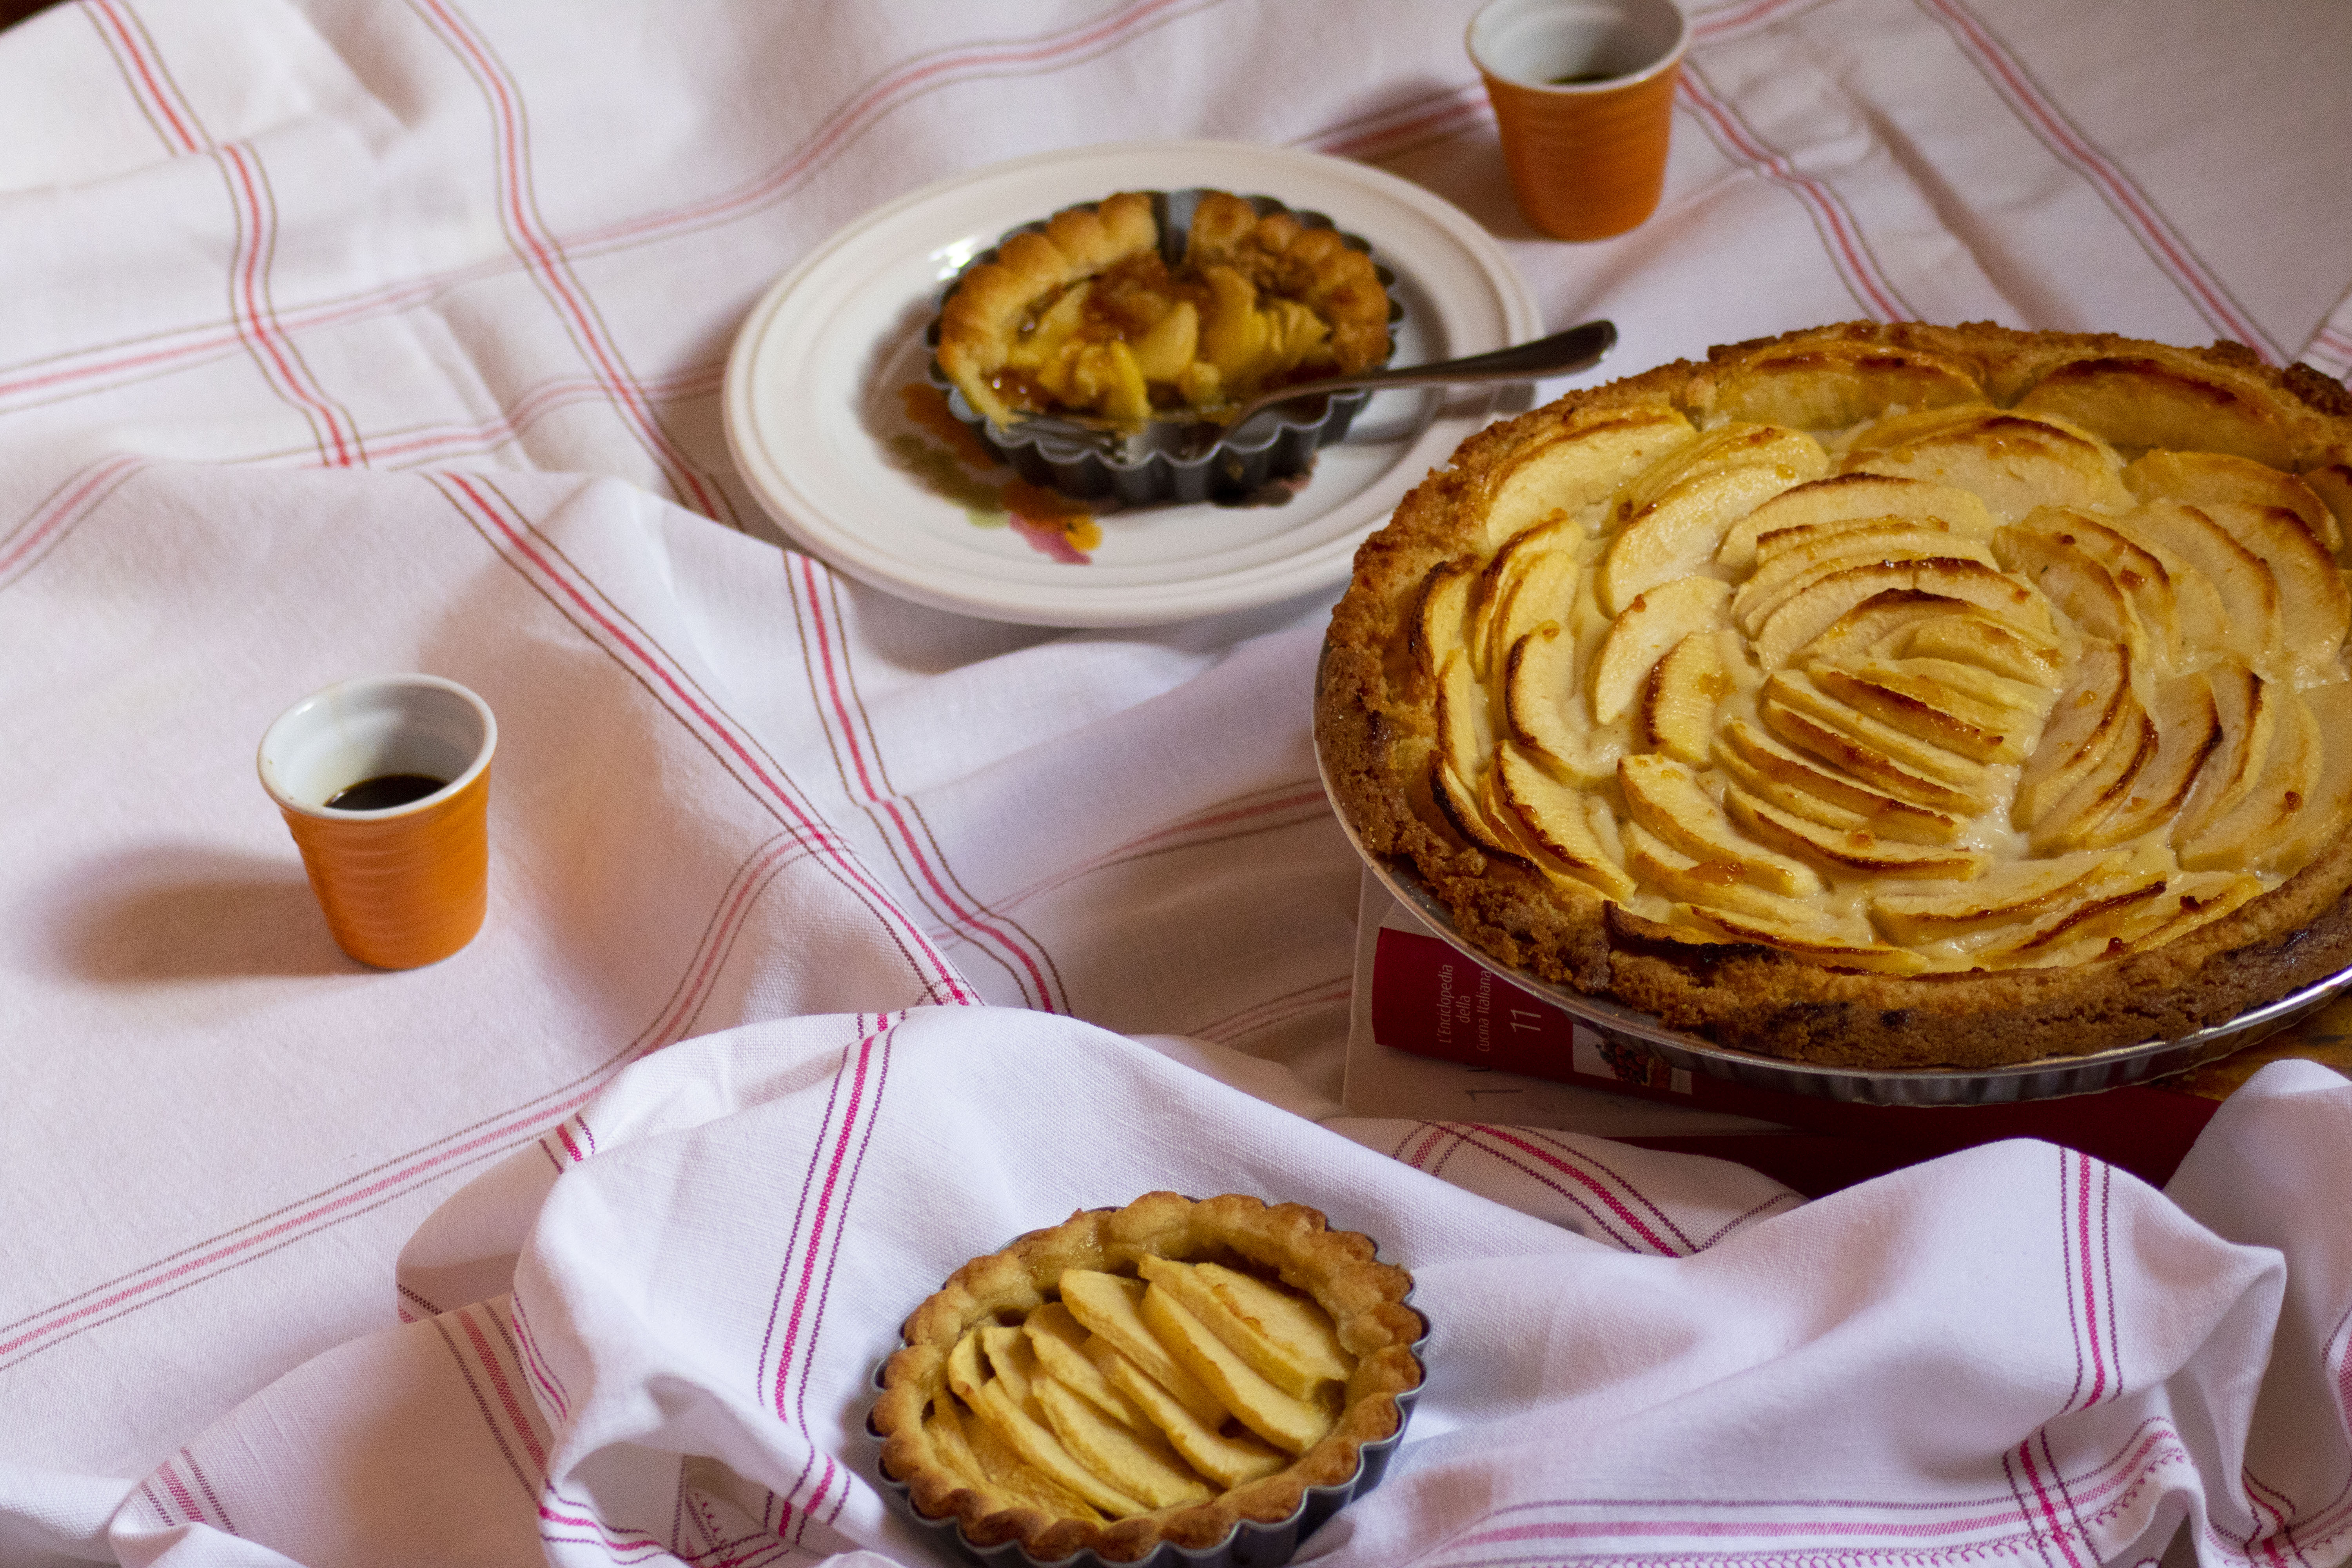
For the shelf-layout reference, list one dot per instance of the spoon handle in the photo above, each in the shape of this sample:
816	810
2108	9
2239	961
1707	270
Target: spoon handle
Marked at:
1578	348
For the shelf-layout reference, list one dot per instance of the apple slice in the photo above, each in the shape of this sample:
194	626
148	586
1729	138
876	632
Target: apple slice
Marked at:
1292	1327
1980	640
2075	583
2325	809
2283	800
2331	480
2189	729
1300	1376
1933	712
1001	1467
2013	461
1859	850
1678	706
1824	385
1813	611
2136	570
1109	1307
1546	708
2315	610
1440	622
1678	533
1556	820
1878	619
1718	884
1464	806
2242	580
1290	1424
2088	717
1226	1460
1491	593
2004	894
1730	446
1845	498
2075	820
1058	1341
1666	798
1867	762
2195	899
2141	402
1798	567
1766	768
1652	623
1795	691
1144	1466
2247	707
1810	943
1036	1444
1772	545
2198	478
1592	456
1464	714
1542	594
2081	931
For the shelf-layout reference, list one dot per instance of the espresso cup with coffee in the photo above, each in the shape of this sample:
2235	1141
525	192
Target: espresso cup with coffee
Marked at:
384	783
1583	93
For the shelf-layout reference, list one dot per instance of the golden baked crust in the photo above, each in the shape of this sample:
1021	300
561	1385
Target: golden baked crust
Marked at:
1336	1269
1085	315
1920	918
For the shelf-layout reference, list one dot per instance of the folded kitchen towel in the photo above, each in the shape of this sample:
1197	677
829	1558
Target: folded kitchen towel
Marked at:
2011	1355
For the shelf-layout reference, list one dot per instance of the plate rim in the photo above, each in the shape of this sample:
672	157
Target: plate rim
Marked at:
1323	563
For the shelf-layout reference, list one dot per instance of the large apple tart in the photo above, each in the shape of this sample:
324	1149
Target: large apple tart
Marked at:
1087	315
1161	1372
1883	696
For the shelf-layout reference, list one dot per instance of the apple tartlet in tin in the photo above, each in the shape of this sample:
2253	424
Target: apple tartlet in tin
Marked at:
1173	1373
1878	696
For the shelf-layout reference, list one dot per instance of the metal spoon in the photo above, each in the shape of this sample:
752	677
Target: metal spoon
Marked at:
1578	348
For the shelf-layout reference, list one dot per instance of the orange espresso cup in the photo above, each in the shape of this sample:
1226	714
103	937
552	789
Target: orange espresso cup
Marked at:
1584	95
385	784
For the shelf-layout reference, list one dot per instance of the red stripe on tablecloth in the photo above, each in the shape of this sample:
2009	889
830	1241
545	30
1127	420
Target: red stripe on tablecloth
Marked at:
2147	223
1396	131
2075	1311
2083	1178
230	1248
163	1514
711	723
2267	1500
832	706
535	1362
181	1496
1276	1009
530	1484
1536	1173
204	1485
1716	25
438	443
545	258
1840	234
896	85
294	381
2049	1510
1632	1189
1311	805
1735	1220
108	16
503	1388
67	505
1598	1190
807	1261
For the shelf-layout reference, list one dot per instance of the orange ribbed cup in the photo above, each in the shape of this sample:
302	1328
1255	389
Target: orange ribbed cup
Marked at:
1583	93
408	886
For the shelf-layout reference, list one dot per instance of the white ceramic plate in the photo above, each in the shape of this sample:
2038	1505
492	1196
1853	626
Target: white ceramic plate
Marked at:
818	427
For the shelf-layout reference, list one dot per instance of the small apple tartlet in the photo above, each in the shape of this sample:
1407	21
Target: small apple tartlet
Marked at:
1089	315
1170	1372
1878	696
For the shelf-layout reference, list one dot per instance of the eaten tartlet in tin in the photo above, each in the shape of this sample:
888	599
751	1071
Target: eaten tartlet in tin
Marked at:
1164	1373
1089	315
1878	696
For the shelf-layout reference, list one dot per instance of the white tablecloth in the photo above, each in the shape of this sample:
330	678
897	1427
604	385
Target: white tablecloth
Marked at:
338	338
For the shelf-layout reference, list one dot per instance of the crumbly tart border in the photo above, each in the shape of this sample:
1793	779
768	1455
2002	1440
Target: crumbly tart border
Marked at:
1372	705
1365	1297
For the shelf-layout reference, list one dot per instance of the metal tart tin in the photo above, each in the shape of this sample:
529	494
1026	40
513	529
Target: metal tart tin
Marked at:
1249	1544
2045	1078
1282	444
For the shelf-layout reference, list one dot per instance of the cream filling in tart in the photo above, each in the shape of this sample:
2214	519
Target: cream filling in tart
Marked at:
1898	652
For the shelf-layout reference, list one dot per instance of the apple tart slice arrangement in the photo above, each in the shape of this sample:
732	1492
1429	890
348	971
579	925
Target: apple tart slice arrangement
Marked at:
1878	696
1161	1372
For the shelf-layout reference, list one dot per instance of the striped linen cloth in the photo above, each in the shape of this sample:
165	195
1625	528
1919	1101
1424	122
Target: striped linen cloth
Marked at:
339	337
